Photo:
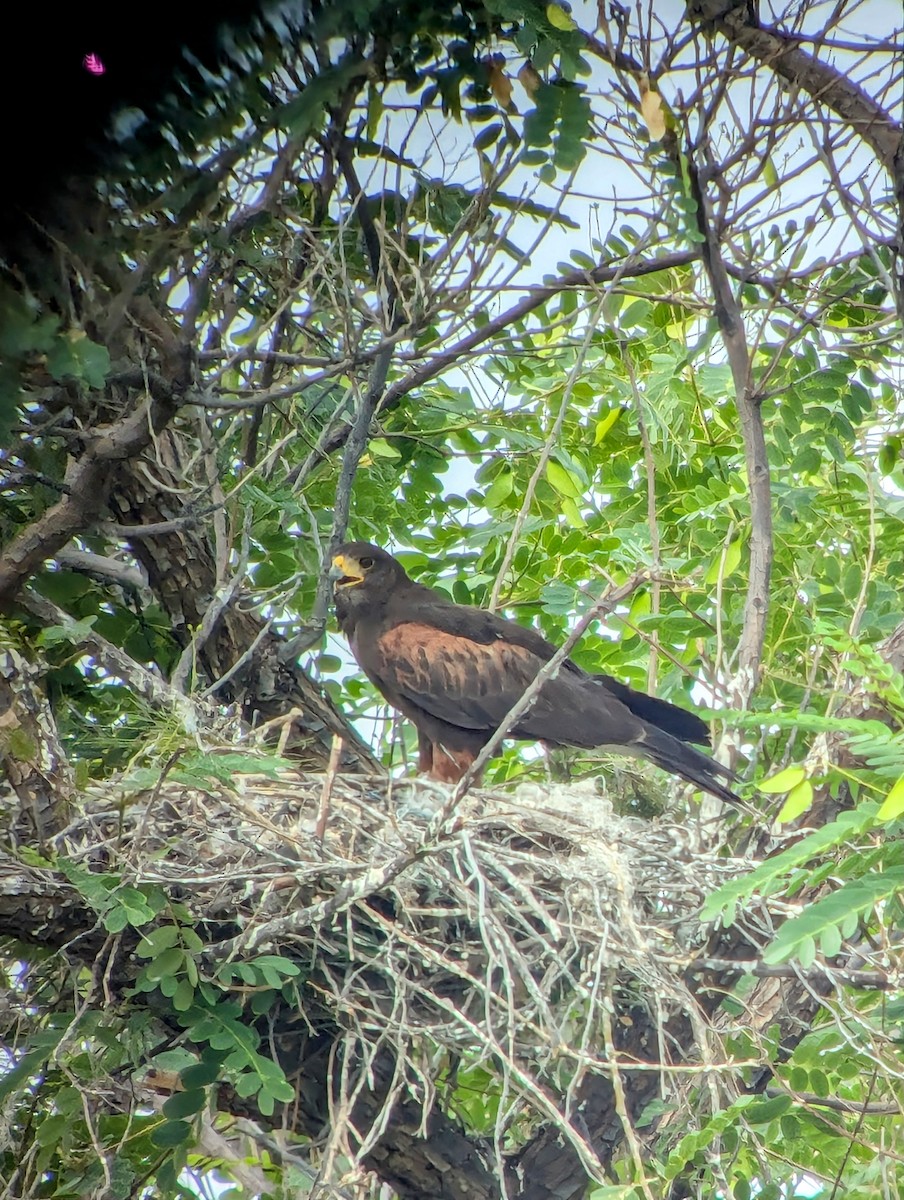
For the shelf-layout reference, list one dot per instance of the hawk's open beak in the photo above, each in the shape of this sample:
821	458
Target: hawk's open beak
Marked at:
344	572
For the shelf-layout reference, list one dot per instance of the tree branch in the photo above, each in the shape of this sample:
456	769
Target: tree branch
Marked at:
611	597
748	402
88	481
825	84
153	690
820	972
782	53
856	1108
534	299
545	454
108	570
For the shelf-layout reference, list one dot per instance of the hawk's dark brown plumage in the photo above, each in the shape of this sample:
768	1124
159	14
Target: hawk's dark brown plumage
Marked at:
456	672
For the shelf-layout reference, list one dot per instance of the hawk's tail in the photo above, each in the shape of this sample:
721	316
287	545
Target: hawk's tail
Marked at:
681	759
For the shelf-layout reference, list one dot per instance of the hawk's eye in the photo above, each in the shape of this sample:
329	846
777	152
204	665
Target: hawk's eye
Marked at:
365	563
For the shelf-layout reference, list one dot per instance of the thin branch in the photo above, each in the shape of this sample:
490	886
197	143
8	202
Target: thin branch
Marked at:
546	452
33	763
879	980
356	444
533	300
359	433
875	1108
221	600
731	324
652	516
190	520
109	570
246	656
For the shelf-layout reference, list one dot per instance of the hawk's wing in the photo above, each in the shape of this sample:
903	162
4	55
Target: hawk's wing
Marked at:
474	684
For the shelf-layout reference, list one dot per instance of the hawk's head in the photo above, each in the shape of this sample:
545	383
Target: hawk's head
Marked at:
364	574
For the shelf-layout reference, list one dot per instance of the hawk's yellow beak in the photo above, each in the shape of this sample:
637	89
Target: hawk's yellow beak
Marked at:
345	571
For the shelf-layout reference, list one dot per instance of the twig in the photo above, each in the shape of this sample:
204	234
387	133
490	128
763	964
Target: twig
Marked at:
221	600
189	520
244	657
879	980
876	1108
156	691
823	82
534	298
652	517
621	1106
323	808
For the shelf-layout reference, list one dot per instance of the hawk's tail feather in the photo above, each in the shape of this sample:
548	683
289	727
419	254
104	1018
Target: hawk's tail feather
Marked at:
692	766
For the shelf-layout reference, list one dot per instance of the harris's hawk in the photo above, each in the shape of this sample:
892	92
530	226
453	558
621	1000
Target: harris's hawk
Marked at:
456	671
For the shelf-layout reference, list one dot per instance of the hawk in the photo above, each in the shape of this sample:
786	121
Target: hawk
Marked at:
456	671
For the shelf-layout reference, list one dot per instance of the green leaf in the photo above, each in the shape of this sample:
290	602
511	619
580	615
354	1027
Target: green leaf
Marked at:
799	800
51	1130
604	424
281	1090
784	781
200	1074
185	1104
500	489
159	940
248	1085
562	480
168	962
580	259
488	136
275	962
559	18
172	1133
380	448
764	1111
190	939
893	804
572	513
890	455
132	908
74	633
724	565
184	995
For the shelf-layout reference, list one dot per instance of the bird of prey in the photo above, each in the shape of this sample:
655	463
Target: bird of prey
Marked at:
456	671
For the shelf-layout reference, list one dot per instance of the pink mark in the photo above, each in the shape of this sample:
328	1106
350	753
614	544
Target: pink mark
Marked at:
93	64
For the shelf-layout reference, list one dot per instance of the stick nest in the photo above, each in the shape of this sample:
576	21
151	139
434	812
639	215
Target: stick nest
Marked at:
510	931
